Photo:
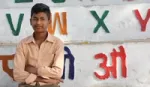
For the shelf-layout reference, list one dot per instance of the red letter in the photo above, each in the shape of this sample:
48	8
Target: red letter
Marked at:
102	65
5	59
142	22
112	68
114	56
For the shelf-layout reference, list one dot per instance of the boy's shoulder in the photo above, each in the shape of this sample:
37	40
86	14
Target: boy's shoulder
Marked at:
26	39
55	39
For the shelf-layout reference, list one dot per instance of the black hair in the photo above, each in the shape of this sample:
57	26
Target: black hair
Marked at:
40	7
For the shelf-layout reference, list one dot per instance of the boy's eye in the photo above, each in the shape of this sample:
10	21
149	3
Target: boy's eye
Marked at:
35	19
42	19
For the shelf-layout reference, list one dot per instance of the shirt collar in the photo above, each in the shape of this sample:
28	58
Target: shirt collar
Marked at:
49	38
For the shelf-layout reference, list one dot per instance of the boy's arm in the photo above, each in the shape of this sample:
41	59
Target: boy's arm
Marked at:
56	70
19	72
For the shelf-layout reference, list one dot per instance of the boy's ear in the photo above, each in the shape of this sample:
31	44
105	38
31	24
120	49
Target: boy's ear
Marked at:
30	21
50	19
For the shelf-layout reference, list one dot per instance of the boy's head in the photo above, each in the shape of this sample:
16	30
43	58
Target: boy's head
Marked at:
40	17
40	7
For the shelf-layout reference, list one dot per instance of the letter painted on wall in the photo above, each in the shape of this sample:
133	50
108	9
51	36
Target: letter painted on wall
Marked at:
62	25
5	59
143	22
71	63
112	69
51	27
16	31
23	1
58	1
100	21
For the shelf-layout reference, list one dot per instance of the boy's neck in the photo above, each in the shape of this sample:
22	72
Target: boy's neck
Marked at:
40	36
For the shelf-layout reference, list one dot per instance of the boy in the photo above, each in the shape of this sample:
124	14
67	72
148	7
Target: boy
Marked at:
39	58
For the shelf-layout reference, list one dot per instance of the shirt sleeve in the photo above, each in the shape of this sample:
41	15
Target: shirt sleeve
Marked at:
19	73
56	70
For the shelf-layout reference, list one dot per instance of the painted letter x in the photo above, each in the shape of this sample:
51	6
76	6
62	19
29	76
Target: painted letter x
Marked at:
100	21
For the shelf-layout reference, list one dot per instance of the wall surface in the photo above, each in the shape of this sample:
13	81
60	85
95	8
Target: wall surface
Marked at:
108	40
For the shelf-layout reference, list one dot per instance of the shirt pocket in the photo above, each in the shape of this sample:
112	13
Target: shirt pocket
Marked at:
48	59
32	60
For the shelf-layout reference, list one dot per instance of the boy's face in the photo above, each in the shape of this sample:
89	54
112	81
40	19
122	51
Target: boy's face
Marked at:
39	22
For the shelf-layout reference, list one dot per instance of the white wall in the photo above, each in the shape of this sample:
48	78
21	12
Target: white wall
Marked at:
12	4
121	21
137	63
124	29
